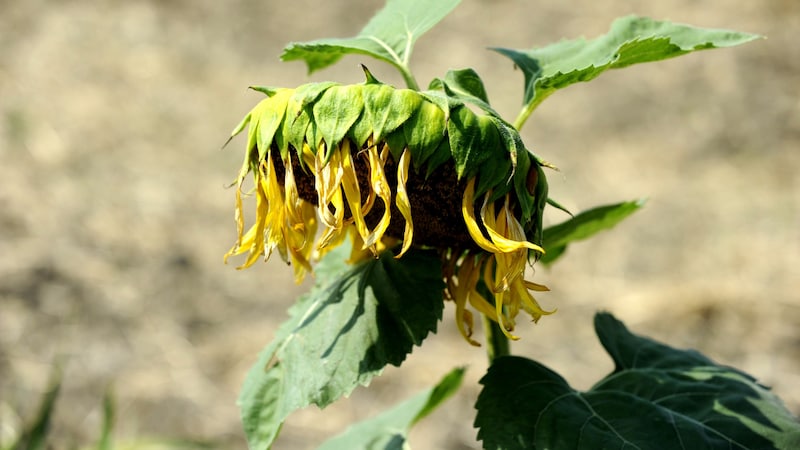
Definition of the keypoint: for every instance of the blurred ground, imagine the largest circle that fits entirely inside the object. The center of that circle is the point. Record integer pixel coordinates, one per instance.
(114, 213)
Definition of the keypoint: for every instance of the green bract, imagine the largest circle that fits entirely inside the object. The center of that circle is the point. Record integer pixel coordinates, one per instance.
(435, 126)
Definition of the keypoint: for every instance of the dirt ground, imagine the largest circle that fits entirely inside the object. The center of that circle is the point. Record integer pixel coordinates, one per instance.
(114, 213)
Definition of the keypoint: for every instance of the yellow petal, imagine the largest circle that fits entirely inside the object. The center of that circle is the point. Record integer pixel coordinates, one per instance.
(380, 185)
(402, 201)
(468, 211)
(352, 192)
(501, 242)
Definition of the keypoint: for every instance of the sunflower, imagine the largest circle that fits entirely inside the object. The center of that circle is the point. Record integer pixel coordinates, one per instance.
(392, 168)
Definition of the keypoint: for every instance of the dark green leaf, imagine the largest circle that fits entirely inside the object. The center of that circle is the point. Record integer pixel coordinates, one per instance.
(390, 429)
(389, 36)
(657, 398)
(341, 335)
(631, 40)
(584, 225)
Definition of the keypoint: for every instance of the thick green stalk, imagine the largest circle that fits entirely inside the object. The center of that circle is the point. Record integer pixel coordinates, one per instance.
(497, 344)
(411, 82)
(528, 109)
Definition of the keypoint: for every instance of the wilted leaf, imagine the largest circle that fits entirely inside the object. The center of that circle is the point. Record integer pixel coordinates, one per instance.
(341, 335)
(584, 225)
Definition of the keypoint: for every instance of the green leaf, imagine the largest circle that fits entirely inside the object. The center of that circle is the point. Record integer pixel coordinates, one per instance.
(109, 411)
(631, 40)
(656, 398)
(390, 429)
(36, 433)
(584, 225)
(341, 335)
(389, 36)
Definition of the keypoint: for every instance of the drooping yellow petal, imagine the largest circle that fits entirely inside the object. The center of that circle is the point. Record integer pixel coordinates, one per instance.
(254, 239)
(380, 185)
(464, 318)
(503, 243)
(506, 323)
(475, 298)
(528, 303)
(275, 211)
(530, 285)
(352, 192)
(334, 231)
(468, 211)
(402, 201)
(326, 183)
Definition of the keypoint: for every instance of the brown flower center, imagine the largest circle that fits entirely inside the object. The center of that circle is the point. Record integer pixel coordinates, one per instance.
(435, 200)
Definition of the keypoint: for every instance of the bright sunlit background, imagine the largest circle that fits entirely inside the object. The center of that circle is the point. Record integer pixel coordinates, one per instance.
(114, 211)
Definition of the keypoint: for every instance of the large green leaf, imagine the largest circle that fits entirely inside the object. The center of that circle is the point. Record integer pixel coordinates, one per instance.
(657, 397)
(389, 430)
(389, 36)
(582, 226)
(631, 40)
(341, 335)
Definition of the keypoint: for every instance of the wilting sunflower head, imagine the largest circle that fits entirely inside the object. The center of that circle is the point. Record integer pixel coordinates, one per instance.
(385, 165)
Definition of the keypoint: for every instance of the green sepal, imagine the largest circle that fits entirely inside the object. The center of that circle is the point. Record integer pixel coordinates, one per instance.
(308, 93)
(313, 137)
(423, 131)
(370, 78)
(252, 130)
(444, 102)
(533, 228)
(269, 119)
(335, 112)
(295, 132)
(239, 128)
(387, 108)
(269, 91)
(467, 82)
(559, 206)
(438, 157)
(493, 176)
(360, 131)
(397, 143)
(473, 138)
(466, 86)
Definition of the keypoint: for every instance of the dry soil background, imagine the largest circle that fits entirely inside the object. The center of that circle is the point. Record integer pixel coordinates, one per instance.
(114, 213)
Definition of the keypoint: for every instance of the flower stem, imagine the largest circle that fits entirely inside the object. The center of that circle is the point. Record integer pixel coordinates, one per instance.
(411, 82)
(528, 109)
(496, 341)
